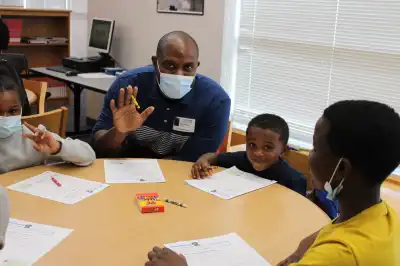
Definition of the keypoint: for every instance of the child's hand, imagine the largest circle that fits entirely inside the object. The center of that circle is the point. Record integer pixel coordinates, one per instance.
(165, 257)
(202, 168)
(42, 140)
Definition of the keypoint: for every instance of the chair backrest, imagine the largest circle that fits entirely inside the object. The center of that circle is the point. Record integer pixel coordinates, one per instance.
(226, 142)
(39, 89)
(299, 161)
(6, 69)
(55, 121)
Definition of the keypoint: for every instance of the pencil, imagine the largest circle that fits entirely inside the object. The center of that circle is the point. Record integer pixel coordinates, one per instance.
(135, 102)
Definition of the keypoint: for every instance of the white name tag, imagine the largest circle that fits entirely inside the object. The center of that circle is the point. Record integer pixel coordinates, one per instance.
(184, 124)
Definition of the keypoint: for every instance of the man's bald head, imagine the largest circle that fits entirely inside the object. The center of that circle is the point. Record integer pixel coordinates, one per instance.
(175, 37)
(177, 54)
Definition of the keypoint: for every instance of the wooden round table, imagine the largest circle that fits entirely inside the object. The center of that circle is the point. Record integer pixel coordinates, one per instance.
(110, 230)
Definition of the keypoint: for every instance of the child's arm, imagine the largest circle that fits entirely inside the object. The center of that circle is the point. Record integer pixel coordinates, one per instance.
(74, 151)
(69, 150)
(303, 247)
(202, 168)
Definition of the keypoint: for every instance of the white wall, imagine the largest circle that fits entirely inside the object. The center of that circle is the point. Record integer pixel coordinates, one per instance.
(139, 27)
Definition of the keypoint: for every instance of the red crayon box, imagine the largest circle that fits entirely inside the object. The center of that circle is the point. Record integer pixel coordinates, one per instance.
(149, 203)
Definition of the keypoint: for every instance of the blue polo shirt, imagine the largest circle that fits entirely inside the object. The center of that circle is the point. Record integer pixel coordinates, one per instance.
(281, 172)
(207, 104)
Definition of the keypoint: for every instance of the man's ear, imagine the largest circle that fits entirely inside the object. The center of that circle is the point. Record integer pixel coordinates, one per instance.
(198, 64)
(154, 60)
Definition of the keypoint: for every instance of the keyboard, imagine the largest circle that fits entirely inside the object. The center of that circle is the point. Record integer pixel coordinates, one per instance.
(61, 69)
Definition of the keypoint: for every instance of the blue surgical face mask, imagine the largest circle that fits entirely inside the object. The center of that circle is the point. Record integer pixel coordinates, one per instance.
(9, 125)
(332, 193)
(175, 86)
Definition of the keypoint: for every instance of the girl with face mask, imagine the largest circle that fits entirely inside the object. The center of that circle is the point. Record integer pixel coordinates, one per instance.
(23, 145)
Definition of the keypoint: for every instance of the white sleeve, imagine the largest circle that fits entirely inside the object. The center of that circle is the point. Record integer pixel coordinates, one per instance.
(75, 151)
(4, 215)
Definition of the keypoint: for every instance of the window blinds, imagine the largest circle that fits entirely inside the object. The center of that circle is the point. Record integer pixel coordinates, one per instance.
(53, 4)
(295, 58)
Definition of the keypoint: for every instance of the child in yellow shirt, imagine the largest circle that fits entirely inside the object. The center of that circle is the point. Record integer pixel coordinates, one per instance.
(356, 147)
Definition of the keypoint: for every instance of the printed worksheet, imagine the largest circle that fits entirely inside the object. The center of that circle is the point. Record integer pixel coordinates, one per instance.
(133, 171)
(227, 250)
(58, 187)
(27, 242)
(230, 183)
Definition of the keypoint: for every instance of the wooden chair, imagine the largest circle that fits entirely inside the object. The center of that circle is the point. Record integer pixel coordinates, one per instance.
(39, 89)
(55, 121)
(227, 139)
(299, 161)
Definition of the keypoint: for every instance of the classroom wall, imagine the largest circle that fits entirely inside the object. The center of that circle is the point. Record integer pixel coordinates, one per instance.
(139, 27)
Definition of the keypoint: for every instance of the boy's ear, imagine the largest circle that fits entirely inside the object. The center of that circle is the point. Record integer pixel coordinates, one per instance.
(285, 150)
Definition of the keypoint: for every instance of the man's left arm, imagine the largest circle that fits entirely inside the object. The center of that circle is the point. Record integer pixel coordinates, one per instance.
(209, 135)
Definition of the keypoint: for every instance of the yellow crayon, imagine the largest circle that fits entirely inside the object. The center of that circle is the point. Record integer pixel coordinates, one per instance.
(135, 102)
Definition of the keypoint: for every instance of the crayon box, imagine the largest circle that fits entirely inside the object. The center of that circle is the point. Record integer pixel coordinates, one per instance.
(149, 203)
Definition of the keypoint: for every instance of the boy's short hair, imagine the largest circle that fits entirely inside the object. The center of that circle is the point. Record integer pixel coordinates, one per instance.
(367, 134)
(271, 122)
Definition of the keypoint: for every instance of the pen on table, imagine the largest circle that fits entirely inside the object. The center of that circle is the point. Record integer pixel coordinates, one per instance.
(135, 102)
(175, 203)
(56, 181)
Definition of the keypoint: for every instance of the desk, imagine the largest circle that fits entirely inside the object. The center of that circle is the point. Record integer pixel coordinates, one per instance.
(77, 85)
(109, 230)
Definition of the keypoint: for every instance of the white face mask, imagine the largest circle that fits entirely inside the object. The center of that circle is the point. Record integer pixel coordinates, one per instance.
(9, 125)
(175, 86)
(332, 193)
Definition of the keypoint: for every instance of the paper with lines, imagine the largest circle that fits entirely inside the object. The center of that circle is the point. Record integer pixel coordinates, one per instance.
(70, 191)
(230, 183)
(227, 250)
(133, 171)
(27, 242)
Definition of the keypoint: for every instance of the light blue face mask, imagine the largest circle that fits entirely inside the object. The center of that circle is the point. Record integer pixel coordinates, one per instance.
(332, 193)
(9, 125)
(175, 86)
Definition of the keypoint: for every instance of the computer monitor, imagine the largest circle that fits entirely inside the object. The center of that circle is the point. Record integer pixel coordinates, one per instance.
(101, 35)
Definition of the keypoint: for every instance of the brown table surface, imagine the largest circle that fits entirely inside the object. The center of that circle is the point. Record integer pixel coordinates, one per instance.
(110, 230)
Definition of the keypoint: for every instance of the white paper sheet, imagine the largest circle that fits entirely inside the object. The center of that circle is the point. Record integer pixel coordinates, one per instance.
(227, 250)
(99, 75)
(72, 189)
(133, 171)
(27, 242)
(230, 183)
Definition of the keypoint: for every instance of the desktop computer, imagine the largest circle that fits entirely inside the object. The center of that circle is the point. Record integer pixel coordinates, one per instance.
(100, 40)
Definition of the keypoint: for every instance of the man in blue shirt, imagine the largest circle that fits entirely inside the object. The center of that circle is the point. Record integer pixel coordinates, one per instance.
(185, 114)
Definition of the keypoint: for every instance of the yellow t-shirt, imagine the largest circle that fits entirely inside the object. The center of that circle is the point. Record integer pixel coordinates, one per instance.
(371, 238)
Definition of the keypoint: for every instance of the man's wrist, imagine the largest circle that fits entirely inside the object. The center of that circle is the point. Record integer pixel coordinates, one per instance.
(119, 136)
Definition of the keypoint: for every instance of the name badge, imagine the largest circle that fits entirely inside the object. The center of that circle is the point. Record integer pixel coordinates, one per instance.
(184, 124)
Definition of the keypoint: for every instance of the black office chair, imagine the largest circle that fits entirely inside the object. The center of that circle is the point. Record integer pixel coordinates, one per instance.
(20, 64)
(18, 61)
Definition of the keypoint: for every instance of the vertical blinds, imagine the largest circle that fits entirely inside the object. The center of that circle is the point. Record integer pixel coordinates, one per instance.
(297, 57)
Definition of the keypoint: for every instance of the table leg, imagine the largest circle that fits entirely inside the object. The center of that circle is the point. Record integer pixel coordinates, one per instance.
(77, 90)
